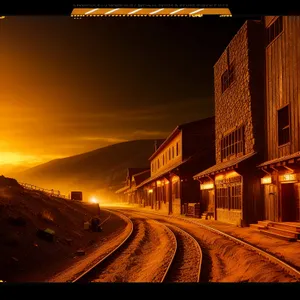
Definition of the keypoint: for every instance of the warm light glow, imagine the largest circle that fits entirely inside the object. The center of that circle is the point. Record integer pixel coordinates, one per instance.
(266, 180)
(94, 200)
(132, 12)
(231, 174)
(206, 186)
(158, 182)
(111, 11)
(17, 158)
(150, 191)
(193, 12)
(288, 177)
(219, 177)
(175, 178)
(154, 12)
(174, 12)
(91, 11)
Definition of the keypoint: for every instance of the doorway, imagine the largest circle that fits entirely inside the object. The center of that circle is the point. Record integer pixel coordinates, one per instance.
(288, 203)
(271, 203)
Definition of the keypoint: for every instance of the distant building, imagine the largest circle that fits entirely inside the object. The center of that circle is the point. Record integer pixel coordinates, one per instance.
(231, 188)
(281, 170)
(188, 149)
(124, 193)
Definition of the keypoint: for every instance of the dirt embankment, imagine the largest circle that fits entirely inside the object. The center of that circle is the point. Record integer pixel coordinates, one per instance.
(26, 257)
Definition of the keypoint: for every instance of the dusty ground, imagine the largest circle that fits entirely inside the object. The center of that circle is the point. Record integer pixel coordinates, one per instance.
(225, 261)
(145, 258)
(289, 251)
(26, 257)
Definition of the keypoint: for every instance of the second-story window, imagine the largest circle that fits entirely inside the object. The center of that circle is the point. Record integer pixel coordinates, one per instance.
(169, 153)
(177, 149)
(163, 159)
(173, 152)
(227, 78)
(232, 143)
(274, 30)
(158, 164)
(283, 126)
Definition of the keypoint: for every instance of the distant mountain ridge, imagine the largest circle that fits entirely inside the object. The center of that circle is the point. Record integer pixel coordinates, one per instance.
(99, 168)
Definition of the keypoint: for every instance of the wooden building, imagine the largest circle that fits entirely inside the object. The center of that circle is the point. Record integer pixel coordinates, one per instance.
(231, 188)
(138, 194)
(188, 149)
(125, 194)
(282, 100)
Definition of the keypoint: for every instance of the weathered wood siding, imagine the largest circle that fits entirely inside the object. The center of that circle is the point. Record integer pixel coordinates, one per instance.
(283, 84)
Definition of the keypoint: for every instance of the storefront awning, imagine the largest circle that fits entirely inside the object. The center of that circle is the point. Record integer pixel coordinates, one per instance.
(295, 156)
(164, 172)
(223, 166)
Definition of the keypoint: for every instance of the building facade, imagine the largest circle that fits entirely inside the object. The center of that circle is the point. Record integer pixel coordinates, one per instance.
(188, 149)
(231, 188)
(126, 193)
(281, 170)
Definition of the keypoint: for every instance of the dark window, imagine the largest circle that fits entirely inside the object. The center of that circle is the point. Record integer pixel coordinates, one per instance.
(233, 143)
(158, 164)
(169, 153)
(227, 78)
(283, 126)
(177, 149)
(176, 189)
(274, 30)
(236, 196)
(222, 197)
(173, 152)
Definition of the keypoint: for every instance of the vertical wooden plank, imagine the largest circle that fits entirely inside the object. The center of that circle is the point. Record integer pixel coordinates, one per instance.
(296, 43)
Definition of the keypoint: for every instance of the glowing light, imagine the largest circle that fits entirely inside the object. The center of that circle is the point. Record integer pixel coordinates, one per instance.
(174, 12)
(194, 12)
(158, 182)
(154, 12)
(132, 12)
(266, 180)
(111, 11)
(288, 177)
(150, 191)
(94, 200)
(91, 11)
(206, 186)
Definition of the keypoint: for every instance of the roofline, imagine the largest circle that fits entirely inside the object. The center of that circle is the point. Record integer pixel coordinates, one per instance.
(137, 174)
(167, 140)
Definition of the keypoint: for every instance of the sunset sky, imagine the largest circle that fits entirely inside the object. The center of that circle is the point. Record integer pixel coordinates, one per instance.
(69, 86)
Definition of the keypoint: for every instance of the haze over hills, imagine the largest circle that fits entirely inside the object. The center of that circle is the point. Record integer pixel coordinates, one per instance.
(98, 169)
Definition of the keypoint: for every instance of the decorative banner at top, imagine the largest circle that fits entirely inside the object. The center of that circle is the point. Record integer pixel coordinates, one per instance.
(149, 12)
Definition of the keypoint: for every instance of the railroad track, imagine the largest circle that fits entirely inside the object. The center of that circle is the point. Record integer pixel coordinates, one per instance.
(186, 260)
(93, 271)
(90, 271)
(287, 267)
(186, 265)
